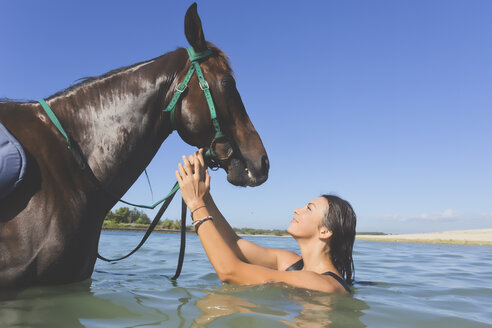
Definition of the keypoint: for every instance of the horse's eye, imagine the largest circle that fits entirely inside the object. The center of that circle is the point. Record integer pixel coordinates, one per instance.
(226, 83)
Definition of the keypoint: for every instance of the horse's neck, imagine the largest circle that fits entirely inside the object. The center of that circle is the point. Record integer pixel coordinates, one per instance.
(117, 120)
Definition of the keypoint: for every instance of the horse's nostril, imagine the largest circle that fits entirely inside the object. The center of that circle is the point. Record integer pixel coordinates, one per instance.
(265, 164)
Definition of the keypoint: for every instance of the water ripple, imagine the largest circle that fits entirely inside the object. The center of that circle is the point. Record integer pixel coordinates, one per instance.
(397, 285)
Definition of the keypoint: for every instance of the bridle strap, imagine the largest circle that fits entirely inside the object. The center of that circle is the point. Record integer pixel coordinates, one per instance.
(179, 90)
(194, 56)
(183, 241)
(195, 66)
(208, 96)
(54, 120)
(151, 227)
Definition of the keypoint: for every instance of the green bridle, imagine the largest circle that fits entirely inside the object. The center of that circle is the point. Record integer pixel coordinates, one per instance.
(171, 107)
(211, 156)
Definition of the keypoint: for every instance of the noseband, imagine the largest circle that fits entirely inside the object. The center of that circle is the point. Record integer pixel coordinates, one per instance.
(211, 155)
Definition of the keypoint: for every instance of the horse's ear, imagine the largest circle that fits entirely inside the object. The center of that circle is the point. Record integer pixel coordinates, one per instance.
(193, 29)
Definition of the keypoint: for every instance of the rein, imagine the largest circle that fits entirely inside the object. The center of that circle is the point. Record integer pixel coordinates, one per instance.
(211, 156)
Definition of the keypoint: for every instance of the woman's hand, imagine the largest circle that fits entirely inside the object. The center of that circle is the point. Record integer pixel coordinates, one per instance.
(194, 180)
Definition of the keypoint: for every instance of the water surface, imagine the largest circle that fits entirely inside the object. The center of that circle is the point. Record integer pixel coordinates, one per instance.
(399, 285)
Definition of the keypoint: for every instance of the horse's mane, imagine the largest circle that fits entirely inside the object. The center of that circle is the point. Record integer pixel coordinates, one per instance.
(10, 100)
(81, 82)
(87, 80)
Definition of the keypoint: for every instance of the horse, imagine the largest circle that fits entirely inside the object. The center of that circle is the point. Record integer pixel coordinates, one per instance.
(51, 223)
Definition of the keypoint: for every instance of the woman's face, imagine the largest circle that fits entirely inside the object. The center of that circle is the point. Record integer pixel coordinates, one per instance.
(307, 219)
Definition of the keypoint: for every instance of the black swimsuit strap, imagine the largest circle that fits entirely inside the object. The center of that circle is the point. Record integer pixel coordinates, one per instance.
(340, 280)
(296, 266)
(300, 264)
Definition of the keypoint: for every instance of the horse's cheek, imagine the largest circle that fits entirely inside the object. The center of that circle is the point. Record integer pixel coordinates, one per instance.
(192, 124)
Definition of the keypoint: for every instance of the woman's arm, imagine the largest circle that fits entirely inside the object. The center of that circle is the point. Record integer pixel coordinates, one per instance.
(231, 269)
(195, 184)
(245, 250)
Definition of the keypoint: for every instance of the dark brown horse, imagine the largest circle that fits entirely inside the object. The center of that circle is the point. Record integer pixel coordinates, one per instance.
(50, 225)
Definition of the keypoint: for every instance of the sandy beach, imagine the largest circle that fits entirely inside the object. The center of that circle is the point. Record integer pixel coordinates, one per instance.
(464, 237)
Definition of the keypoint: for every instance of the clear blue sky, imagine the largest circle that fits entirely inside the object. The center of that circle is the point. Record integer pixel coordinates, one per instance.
(384, 103)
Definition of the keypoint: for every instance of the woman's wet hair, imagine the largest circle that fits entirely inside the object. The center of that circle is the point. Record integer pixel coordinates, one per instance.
(340, 219)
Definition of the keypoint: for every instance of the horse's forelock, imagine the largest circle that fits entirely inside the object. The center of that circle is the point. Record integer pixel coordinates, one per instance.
(222, 60)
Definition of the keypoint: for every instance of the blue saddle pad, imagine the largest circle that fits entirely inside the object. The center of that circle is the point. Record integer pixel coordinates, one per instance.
(12, 162)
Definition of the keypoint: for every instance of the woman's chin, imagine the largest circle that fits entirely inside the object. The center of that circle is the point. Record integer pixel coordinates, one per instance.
(297, 232)
(291, 230)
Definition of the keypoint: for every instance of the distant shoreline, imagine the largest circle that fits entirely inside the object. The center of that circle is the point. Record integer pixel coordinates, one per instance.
(461, 237)
(157, 230)
(144, 230)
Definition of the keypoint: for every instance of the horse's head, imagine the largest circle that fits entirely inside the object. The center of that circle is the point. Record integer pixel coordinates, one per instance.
(236, 145)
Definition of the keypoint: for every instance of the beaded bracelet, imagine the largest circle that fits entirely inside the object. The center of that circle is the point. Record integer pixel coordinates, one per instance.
(198, 223)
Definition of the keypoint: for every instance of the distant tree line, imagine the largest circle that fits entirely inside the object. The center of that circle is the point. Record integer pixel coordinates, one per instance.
(172, 225)
(251, 231)
(124, 217)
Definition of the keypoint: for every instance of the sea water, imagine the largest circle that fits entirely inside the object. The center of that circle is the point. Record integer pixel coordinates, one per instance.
(397, 285)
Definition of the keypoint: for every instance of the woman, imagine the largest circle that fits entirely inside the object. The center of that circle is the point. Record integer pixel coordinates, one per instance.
(324, 229)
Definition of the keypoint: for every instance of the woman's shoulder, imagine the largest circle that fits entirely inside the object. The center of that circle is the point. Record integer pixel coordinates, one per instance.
(332, 278)
(340, 282)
